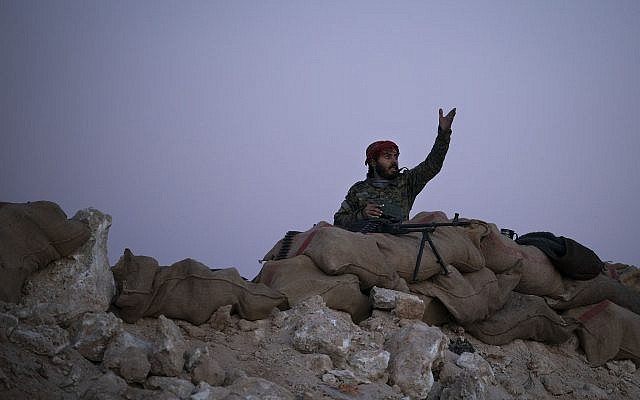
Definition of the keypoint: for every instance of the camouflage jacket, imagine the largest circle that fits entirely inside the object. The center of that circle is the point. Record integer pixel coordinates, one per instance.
(401, 191)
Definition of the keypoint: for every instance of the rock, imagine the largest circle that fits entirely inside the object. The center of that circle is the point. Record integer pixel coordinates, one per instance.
(233, 375)
(193, 356)
(180, 387)
(247, 326)
(369, 364)
(405, 305)
(435, 392)
(470, 381)
(449, 371)
(167, 354)
(383, 299)
(92, 333)
(347, 377)
(43, 314)
(258, 388)
(414, 349)
(322, 330)
(127, 355)
(553, 384)
(8, 323)
(621, 367)
(106, 386)
(207, 369)
(41, 339)
(477, 367)
(590, 391)
(465, 387)
(82, 282)
(204, 391)
(331, 380)
(221, 319)
(382, 322)
(318, 363)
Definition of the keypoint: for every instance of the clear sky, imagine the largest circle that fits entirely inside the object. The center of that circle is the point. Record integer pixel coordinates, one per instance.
(208, 129)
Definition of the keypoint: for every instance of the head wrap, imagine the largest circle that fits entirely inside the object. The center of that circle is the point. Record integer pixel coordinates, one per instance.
(376, 148)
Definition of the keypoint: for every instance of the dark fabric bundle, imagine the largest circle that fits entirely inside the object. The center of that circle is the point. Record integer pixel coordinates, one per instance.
(570, 258)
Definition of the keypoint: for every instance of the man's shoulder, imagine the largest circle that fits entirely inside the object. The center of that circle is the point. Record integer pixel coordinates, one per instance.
(359, 184)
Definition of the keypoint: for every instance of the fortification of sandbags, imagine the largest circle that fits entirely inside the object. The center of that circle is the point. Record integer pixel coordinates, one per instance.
(331, 314)
(499, 288)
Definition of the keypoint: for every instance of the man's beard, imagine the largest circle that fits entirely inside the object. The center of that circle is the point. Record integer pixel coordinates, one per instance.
(382, 172)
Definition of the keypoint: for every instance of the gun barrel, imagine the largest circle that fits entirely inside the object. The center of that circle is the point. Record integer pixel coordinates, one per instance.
(433, 225)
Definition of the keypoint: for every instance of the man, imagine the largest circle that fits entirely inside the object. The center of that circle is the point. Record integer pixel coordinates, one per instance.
(387, 192)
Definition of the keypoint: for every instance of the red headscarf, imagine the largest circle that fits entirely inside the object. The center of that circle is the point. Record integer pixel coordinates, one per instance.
(376, 148)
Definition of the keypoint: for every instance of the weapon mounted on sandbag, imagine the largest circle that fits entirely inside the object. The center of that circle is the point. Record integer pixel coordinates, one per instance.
(382, 225)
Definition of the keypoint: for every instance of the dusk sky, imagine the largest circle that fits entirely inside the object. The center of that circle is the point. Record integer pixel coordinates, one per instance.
(207, 129)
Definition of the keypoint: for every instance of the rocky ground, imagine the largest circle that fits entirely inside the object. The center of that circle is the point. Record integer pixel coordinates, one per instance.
(65, 341)
(308, 352)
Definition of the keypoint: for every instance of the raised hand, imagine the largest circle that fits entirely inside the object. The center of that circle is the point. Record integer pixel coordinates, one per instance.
(445, 121)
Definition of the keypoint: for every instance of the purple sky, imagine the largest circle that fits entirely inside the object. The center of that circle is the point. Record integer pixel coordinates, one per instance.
(208, 129)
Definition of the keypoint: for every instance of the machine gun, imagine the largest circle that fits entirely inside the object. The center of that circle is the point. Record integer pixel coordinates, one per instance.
(385, 226)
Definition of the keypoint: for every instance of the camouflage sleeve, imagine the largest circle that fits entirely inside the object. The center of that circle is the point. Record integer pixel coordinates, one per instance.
(426, 170)
(350, 211)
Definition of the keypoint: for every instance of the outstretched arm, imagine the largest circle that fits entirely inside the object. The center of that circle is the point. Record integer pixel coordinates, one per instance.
(426, 170)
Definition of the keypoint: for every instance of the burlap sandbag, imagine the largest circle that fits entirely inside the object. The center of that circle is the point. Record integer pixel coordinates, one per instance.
(607, 331)
(337, 251)
(468, 297)
(435, 313)
(539, 277)
(628, 275)
(582, 293)
(298, 278)
(522, 317)
(500, 253)
(31, 236)
(190, 291)
(134, 277)
(298, 243)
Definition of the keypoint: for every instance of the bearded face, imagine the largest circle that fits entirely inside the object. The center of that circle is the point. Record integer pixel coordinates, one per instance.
(386, 165)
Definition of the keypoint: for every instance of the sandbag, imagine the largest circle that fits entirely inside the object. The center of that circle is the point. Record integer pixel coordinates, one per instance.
(32, 235)
(522, 317)
(293, 243)
(607, 331)
(435, 313)
(298, 278)
(337, 251)
(189, 290)
(539, 277)
(468, 297)
(134, 277)
(628, 275)
(582, 293)
(377, 258)
(500, 253)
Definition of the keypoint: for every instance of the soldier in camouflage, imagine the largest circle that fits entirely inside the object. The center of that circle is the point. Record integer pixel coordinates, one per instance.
(387, 192)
